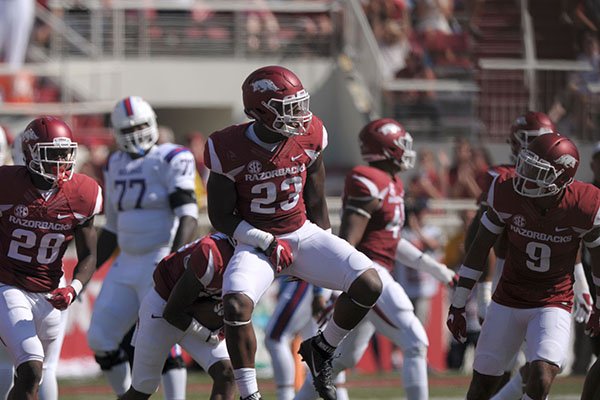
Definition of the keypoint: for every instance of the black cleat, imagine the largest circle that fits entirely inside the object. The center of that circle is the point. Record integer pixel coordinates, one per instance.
(318, 358)
(253, 396)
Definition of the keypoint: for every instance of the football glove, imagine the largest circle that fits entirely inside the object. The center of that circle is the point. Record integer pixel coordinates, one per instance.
(61, 298)
(280, 254)
(457, 323)
(582, 308)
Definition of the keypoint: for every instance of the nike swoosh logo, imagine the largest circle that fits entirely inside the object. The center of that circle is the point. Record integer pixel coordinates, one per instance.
(61, 216)
(155, 316)
(560, 229)
(294, 158)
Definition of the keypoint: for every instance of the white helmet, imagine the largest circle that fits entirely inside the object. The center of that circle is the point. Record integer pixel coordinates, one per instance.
(134, 125)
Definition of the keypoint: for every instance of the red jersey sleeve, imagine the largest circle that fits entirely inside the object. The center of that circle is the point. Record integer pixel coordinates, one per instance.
(361, 186)
(85, 197)
(206, 262)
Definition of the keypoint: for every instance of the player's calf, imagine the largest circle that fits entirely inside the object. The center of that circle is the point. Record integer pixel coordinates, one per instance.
(482, 386)
(27, 381)
(541, 376)
(223, 381)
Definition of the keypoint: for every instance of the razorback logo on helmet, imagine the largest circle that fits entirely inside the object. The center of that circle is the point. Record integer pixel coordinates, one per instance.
(29, 134)
(566, 160)
(389, 129)
(264, 85)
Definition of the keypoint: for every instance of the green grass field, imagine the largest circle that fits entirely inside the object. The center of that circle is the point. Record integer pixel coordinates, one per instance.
(363, 387)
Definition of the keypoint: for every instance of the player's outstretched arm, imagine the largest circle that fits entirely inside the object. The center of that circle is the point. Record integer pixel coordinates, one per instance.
(412, 257)
(314, 194)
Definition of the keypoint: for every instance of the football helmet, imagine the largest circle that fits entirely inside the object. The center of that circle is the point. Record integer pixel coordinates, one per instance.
(49, 149)
(546, 166)
(134, 125)
(526, 128)
(386, 139)
(275, 97)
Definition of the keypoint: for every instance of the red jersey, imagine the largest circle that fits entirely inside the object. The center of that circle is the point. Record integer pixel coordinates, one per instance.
(382, 234)
(208, 257)
(35, 232)
(542, 248)
(268, 185)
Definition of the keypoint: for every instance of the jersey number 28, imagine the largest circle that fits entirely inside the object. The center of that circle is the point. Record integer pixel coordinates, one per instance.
(48, 246)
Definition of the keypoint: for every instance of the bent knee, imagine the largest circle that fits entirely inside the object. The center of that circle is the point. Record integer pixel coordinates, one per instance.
(237, 307)
(367, 287)
(222, 373)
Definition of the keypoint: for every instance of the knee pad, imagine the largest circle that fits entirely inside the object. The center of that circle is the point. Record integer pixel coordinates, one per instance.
(173, 362)
(108, 359)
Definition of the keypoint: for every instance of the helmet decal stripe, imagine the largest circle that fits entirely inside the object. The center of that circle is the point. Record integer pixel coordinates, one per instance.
(128, 106)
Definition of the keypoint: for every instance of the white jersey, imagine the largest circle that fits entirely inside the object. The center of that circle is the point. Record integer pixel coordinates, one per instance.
(137, 196)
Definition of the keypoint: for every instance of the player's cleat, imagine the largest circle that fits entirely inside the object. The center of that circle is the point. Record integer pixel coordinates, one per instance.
(253, 396)
(318, 354)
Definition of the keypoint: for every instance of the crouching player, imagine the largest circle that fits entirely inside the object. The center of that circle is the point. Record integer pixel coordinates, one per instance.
(187, 282)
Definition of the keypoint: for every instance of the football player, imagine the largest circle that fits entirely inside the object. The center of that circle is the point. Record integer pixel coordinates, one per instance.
(546, 214)
(150, 211)
(373, 216)
(46, 206)
(48, 389)
(266, 190)
(524, 129)
(192, 274)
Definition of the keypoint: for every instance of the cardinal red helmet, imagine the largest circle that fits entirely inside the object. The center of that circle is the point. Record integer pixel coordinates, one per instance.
(526, 128)
(49, 149)
(275, 97)
(546, 166)
(386, 139)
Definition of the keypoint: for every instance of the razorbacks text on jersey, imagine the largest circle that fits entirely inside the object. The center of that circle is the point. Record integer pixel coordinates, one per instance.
(542, 247)
(35, 230)
(208, 257)
(137, 195)
(382, 234)
(269, 185)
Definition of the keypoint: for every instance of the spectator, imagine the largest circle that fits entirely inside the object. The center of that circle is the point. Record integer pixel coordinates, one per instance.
(431, 181)
(16, 22)
(435, 30)
(418, 103)
(395, 48)
(262, 28)
(462, 176)
(583, 87)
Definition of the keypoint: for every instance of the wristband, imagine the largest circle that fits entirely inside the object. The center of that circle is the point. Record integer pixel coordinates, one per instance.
(461, 294)
(77, 286)
(252, 236)
(469, 273)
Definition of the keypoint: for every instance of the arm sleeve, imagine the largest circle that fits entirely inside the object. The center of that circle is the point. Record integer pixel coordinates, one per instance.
(181, 171)
(206, 262)
(361, 188)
